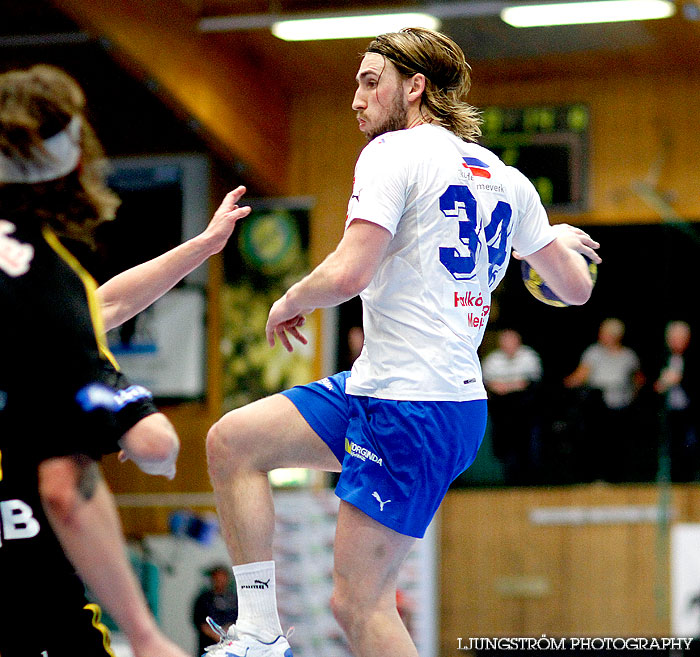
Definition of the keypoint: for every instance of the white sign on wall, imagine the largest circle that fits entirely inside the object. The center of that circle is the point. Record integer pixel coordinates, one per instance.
(164, 350)
(685, 580)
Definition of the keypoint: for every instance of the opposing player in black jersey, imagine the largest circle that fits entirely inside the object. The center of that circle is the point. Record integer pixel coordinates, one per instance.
(63, 402)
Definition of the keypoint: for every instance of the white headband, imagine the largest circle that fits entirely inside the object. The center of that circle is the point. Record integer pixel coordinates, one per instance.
(61, 156)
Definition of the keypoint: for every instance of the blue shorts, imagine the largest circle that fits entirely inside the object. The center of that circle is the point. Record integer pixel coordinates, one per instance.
(398, 457)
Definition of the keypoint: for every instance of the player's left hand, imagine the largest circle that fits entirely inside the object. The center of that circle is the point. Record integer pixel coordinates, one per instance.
(577, 240)
(284, 322)
(224, 220)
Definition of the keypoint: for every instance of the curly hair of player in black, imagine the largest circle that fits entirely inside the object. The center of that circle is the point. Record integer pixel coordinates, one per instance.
(36, 104)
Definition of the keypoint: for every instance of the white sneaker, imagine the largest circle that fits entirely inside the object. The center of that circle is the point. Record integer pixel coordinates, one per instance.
(236, 644)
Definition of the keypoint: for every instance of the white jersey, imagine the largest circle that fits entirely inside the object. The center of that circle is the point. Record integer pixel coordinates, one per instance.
(454, 211)
(612, 371)
(524, 364)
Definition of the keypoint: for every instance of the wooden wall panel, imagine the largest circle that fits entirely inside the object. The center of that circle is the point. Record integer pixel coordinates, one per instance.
(325, 144)
(502, 575)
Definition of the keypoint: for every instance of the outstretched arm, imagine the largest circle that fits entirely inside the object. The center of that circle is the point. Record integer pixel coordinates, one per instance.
(83, 515)
(130, 292)
(562, 266)
(341, 276)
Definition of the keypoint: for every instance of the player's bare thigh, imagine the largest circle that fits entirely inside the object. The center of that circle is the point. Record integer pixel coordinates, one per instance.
(267, 434)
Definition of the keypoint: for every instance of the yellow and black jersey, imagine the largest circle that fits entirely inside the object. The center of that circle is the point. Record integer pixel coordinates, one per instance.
(46, 611)
(60, 393)
(59, 385)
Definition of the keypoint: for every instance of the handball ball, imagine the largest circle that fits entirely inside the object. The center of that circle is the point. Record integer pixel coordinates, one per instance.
(541, 291)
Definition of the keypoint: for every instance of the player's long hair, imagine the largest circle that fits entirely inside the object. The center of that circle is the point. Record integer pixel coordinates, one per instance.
(419, 50)
(36, 104)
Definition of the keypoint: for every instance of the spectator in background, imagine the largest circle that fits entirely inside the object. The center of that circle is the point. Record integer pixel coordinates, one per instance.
(219, 602)
(675, 384)
(511, 374)
(612, 372)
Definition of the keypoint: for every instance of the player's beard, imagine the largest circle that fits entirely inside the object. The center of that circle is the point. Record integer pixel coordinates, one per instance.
(395, 119)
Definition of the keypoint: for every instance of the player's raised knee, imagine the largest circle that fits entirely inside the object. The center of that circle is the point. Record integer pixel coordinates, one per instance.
(215, 447)
(226, 449)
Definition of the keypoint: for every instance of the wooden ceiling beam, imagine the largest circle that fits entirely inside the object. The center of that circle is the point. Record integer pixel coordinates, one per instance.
(235, 102)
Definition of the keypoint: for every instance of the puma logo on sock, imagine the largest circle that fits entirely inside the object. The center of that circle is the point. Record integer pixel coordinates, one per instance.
(257, 584)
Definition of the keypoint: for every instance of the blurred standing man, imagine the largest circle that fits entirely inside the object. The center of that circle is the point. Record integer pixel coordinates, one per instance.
(218, 602)
(678, 387)
(511, 375)
(428, 236)
(613, 372)
(610, 367)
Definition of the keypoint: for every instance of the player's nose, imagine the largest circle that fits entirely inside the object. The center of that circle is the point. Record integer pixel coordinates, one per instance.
(359, 102)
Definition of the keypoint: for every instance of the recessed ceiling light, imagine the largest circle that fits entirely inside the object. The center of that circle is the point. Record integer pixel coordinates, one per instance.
(595, 11)
(348, 27)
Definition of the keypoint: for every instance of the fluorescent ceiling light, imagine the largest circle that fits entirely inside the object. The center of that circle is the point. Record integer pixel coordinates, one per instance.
(348, 27)
(595, 11)
(440, 10)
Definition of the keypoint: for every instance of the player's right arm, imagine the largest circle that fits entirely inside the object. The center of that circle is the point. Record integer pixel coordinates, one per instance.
(375, 207)
(341, 276)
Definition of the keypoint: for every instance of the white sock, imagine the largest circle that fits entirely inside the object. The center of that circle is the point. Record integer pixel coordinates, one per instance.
(257, 600)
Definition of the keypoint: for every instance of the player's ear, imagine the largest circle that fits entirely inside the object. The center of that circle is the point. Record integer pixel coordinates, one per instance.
(415, 86)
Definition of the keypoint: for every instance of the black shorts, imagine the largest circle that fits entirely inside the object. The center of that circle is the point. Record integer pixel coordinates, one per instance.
(60, 630)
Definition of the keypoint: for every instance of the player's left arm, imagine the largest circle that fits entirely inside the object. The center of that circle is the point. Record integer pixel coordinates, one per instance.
(130, 292)
(82, 512)
(152, 444)
(341, 276)
(562, 265)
